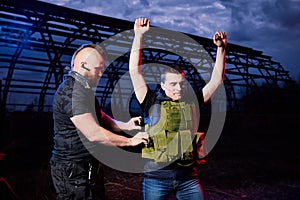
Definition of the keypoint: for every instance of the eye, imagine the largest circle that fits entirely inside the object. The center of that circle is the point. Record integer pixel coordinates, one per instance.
(182, 84)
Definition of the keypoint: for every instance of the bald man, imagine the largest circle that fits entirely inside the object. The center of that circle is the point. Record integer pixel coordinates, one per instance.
(80, 125)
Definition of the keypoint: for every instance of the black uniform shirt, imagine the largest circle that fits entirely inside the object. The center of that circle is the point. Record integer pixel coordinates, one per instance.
(73, 97)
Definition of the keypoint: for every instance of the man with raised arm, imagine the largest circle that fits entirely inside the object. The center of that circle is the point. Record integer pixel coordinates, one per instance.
(172, 127)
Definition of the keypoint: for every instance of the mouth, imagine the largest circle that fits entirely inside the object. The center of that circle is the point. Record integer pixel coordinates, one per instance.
(177, 94)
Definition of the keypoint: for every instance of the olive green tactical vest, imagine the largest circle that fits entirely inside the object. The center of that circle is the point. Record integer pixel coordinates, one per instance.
(172, 135)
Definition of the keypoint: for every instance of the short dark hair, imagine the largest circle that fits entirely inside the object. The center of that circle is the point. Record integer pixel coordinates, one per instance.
(173, 69)
(100, 49)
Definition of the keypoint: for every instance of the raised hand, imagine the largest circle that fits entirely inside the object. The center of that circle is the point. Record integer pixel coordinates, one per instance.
(141, 25)
(220, 39)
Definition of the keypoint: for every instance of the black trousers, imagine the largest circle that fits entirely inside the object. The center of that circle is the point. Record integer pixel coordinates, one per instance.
(77, 181)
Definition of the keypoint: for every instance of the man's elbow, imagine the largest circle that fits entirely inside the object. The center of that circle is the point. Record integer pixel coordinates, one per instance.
(97, 137)
(210, 90)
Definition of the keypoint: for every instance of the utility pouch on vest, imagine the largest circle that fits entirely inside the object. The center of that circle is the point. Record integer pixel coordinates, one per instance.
(148, 152)
(186, 146)
(186, 110)
(160, 146)
(172, 147)
(173, 115)
(186, 141)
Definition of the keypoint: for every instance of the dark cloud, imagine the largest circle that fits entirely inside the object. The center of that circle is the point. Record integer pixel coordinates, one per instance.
(145, 2)
(283, 13)
(271, 26)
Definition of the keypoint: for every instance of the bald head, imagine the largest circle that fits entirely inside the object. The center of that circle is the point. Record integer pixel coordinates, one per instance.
(96, 47)
(84, 57)
(89, 62)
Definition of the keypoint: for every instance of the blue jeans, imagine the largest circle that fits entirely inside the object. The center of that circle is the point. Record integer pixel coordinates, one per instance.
(159, 189)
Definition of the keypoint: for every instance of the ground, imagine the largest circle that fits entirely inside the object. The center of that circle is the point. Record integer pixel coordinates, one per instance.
(226, 175)
(252, 161)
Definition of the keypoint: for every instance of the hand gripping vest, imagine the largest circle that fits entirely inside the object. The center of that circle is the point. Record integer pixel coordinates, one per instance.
(173, 134)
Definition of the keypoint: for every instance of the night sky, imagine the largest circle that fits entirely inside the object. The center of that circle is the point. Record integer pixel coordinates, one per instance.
(271, 26)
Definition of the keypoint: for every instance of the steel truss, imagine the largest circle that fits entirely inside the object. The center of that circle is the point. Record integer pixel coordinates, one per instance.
(37, 41)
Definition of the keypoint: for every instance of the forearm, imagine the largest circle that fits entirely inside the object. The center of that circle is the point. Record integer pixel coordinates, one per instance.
(135, 59)
(135, 68)
(220, 65)
(217, 75)
(95, 133)
(110, 139)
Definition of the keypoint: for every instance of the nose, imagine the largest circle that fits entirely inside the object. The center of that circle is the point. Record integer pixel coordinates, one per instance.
(178, 87)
